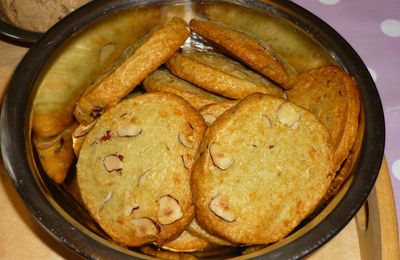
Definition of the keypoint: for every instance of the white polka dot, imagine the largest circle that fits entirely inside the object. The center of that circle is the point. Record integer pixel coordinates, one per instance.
(396, 169)
(391, 27)
(373, 74)
(329, 2)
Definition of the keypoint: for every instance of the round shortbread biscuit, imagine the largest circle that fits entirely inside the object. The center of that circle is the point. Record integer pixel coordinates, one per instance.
(134, 168)
(332, 95)
(163, 80)
(219, 74)
(261, 168)
(145, 57)
(250, 51)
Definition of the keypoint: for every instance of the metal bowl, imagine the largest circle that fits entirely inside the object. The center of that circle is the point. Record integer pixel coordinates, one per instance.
(58, 212)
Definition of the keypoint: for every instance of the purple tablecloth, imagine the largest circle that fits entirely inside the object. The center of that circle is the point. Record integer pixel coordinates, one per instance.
(372, 28)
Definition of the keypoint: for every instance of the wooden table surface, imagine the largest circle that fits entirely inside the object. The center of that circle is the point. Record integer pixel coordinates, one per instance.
(23, 238)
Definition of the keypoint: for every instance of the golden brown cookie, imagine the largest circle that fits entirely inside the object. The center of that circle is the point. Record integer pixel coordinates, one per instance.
(211, 112)
(251, 52)
(195, 229)
(332, 95)
(295, 46)
(219, 74)
(80, 62)
(142, 60)
(56, 153)
(163, 80)
(134, 168)
(348, 165)
(186, 242)
(262, 167)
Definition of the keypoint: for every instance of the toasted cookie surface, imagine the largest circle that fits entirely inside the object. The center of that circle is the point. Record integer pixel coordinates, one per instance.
(247, 49)
(134, 168)
(219, 74)
(186, 242)
(262, 167)
(332, 95)
(156, 49)
(348, 165)
(212, 111)
(163, 80)
(295, 46)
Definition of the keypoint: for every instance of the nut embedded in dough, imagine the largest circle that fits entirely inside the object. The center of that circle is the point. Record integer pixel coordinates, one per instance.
(113, 162)
(169, 210)
(221, 208)
(219, 158)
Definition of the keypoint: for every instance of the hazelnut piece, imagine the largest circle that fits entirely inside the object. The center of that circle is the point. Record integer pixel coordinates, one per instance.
(267, 121)
(288, 115)
(221, 208)
(169, 210)
(187, 161)
(186, 141)
(131, 208)
(82, 130)
(108, 197)
(129, 130)
(219, 158)
(142, 178)
(113, 162)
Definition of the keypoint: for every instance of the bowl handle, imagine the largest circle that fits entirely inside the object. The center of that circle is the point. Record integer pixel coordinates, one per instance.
(18, 36)
(377, 221)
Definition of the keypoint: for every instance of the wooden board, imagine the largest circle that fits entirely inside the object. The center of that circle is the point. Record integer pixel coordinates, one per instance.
(23, 238)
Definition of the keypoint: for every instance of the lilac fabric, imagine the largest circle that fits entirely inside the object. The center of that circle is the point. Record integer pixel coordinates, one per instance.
(373, 29)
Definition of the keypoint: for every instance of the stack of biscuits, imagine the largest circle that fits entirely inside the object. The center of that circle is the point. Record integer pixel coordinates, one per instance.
(225, 146)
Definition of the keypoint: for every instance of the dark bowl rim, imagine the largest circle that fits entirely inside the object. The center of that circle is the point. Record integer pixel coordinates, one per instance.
(16, 35)
(15, 133)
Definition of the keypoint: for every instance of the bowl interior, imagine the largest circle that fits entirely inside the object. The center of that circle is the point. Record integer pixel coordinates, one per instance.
(91, 39)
